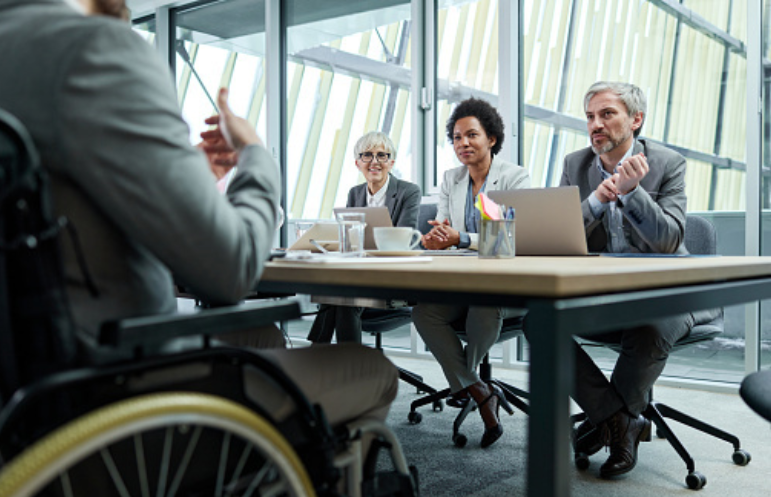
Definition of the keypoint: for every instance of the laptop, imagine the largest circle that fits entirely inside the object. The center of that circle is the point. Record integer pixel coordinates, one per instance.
(548, 220)
(324, 233)
(374, 217)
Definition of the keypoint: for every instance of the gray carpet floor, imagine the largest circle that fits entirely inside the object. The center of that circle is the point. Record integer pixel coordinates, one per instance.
(500, 470)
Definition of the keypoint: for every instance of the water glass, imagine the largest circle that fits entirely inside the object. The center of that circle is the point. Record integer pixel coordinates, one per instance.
(351, 226)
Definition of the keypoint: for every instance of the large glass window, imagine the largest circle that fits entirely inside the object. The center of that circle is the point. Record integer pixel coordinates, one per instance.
(348, 74)
(145, 27)
(349, 71)
(694, 75)
(765, 194)
(467, 64)
(220, 44)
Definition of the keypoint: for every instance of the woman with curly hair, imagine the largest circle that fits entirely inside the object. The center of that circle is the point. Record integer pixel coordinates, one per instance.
(476, 131)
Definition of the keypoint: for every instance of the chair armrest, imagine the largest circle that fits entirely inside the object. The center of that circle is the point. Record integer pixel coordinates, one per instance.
(148, 330)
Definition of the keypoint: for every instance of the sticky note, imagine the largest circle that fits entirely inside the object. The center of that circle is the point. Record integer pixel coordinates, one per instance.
(489, 209)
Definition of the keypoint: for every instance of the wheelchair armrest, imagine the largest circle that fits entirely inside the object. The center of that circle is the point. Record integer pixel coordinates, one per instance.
(148, 330)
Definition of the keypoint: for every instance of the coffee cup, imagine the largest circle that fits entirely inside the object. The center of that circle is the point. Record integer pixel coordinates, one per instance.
(396, 239)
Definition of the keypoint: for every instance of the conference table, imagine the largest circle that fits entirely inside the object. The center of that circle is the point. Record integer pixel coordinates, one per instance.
(563, 295)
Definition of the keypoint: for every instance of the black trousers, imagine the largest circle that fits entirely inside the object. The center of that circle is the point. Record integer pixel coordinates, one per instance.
(346, 320)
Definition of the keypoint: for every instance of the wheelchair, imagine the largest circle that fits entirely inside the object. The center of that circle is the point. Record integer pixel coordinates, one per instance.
(146, 422)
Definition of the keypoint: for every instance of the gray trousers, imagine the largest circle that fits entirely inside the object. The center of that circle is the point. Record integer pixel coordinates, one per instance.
(483, 327)
(644, 353)
(349, 381)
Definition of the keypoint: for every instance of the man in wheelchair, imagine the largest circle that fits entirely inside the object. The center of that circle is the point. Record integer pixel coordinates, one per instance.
(91, 237)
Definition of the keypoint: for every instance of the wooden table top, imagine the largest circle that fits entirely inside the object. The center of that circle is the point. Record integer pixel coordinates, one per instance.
(550, 277)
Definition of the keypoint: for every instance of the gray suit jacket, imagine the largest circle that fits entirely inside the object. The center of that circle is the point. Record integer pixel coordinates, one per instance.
(402, 200)
(452, 196)
(654, 218)
(102, 109)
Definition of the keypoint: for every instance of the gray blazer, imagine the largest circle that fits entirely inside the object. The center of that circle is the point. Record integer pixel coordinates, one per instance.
(402, 200)
(654, 218)
(102, 109)
(452, 196)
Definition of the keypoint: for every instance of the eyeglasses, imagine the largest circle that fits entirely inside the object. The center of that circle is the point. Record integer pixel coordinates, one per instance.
(380, 157)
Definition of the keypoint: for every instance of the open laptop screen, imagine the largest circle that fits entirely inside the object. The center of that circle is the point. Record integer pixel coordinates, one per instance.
(375, 217)
(548, 220)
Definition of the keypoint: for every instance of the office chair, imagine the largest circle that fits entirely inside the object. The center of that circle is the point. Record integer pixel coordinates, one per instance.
(140, 420)
(379, 321)
(756, 392)
(700, 239)
(511, 328)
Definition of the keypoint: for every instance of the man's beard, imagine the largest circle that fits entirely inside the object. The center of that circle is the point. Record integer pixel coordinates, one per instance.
(610, 145)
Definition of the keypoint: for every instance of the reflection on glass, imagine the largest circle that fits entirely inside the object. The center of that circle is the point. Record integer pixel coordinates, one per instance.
(765, 307)
(467, 61)
(220, 44)
(145, 28)
(694, 75)
(347, 75)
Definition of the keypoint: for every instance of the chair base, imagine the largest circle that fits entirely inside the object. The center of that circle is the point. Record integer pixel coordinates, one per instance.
(657, 412)
(513, 394)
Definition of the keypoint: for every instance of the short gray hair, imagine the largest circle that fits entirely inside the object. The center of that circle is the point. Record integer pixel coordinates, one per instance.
(372, 140)
(632, 96)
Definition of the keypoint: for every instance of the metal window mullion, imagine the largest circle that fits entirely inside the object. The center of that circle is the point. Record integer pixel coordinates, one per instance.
(165, 36)
(754, 177)
(510, 60)
(275, 88)
(424, 93)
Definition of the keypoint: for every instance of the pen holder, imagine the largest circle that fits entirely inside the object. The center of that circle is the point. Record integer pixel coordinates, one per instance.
(496, 239)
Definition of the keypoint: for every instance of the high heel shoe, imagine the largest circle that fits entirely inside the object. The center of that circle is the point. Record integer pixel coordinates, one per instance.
(488, 410)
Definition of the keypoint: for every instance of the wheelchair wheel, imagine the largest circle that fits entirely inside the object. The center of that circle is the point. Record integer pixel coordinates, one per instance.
(160, 444)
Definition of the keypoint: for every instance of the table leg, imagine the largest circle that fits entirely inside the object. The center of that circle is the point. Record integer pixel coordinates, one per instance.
(551, 376)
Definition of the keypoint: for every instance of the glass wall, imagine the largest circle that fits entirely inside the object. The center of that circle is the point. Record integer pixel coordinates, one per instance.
(694, 75)
(765, 192)
(467, 64)
(145, 27)
(220, 44)
(348, 73)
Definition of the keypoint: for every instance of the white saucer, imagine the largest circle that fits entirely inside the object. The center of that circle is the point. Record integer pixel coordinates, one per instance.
(394, 253)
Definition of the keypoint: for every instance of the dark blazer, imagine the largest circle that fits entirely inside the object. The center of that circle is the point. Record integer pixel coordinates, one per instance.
(654, 218)
(402, 200)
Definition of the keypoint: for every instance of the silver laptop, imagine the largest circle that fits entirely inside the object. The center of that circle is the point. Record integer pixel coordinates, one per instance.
(548, 220)
(323, 233)
(375, 217)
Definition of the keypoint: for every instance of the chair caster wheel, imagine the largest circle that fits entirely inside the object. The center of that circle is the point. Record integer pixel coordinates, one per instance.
(741, 457)
(460, 440)
(414, 417)
(695, 480)
(438, 405)
(581, 461)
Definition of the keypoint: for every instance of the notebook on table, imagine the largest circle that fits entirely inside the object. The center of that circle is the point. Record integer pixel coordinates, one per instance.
(374, 217)
(548, 220)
